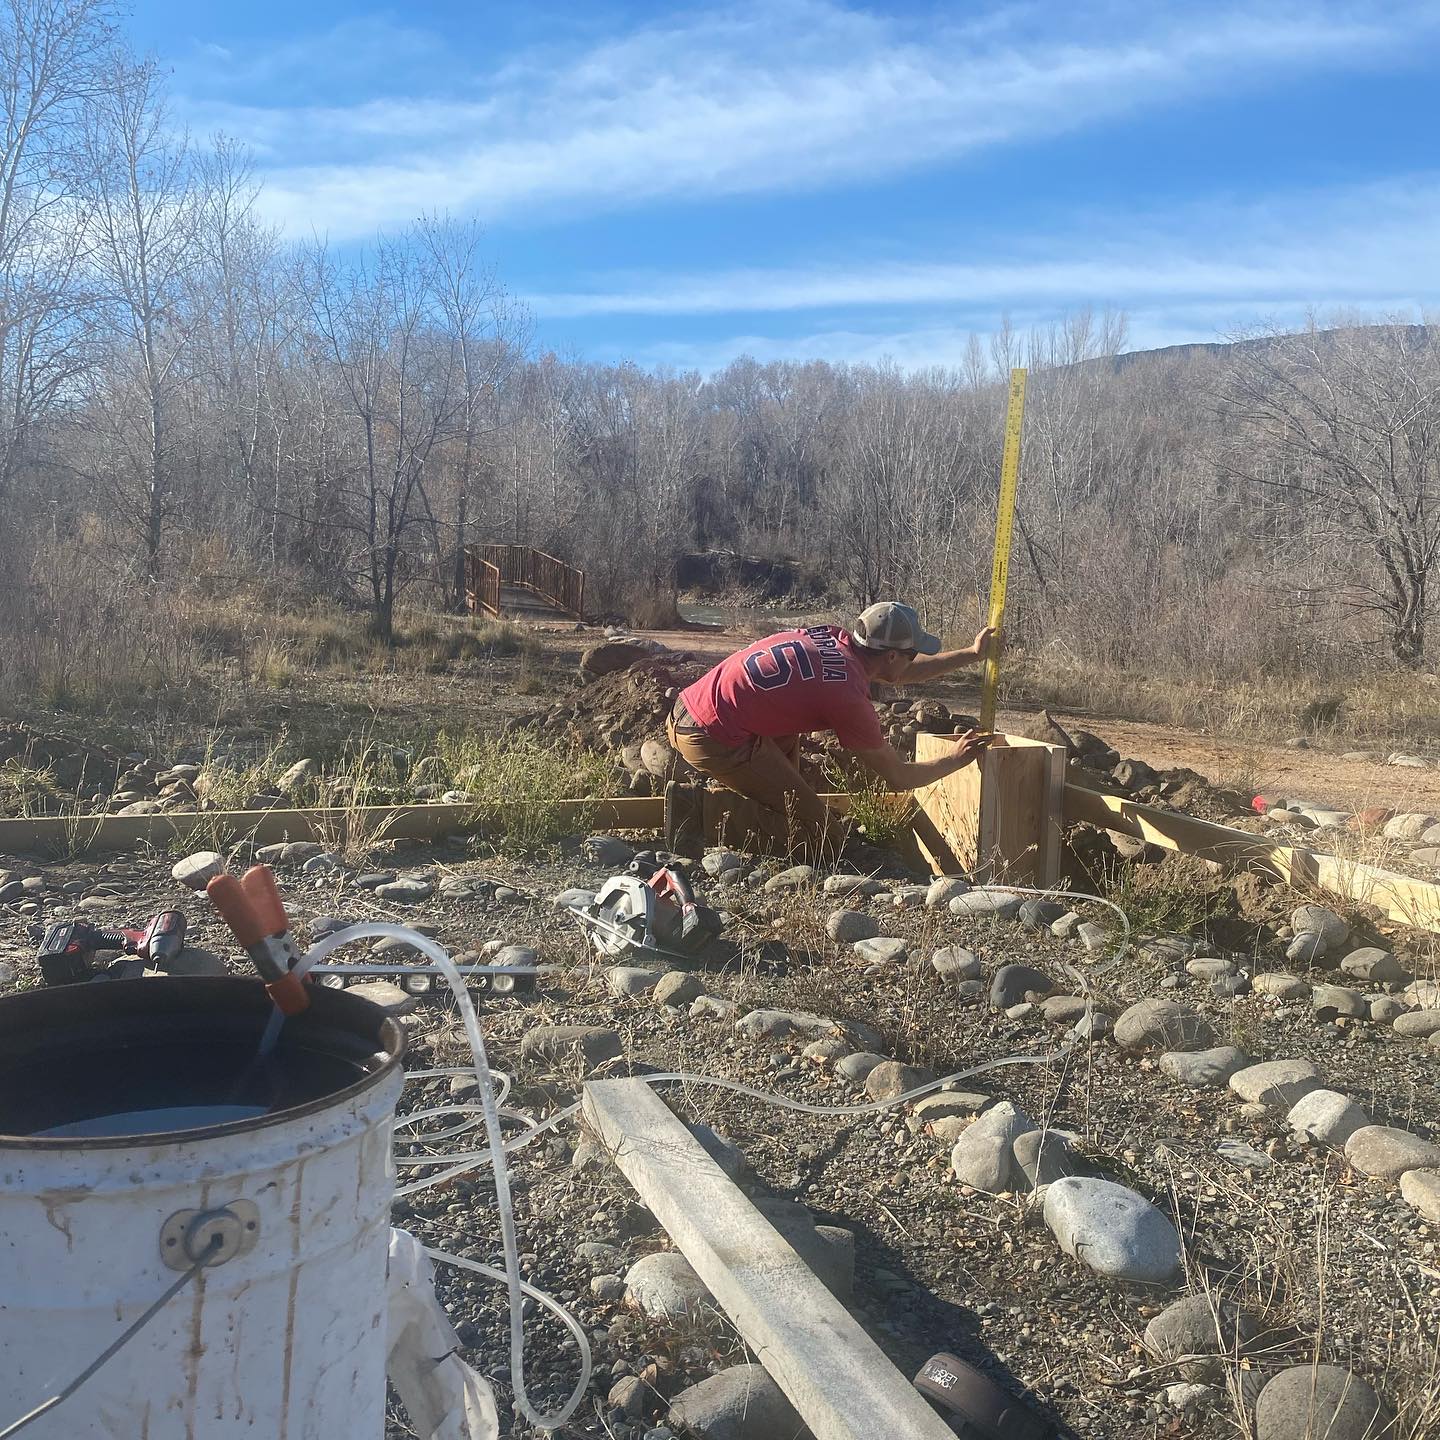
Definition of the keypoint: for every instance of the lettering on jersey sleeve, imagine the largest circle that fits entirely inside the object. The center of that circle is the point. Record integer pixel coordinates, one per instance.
(785, 660)
(832, 658)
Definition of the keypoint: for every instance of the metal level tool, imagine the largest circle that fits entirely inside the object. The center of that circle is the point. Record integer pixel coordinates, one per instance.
(1004, 530)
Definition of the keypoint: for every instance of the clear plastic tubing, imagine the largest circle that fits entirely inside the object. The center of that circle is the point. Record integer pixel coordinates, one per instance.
(501, 1178)
(497, 1148)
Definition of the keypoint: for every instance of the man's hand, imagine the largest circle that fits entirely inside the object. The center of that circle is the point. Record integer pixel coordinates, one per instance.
(981, 648)
(970, 746)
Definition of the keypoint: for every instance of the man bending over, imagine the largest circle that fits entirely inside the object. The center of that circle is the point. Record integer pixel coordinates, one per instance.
(741, 722)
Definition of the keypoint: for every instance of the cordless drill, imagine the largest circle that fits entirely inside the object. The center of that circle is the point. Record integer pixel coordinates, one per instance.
(68, 951)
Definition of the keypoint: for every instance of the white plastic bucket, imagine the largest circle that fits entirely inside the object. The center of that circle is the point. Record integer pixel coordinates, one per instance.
(283, 1340)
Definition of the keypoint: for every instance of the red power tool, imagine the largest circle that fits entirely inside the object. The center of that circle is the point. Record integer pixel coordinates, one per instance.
(68, 950)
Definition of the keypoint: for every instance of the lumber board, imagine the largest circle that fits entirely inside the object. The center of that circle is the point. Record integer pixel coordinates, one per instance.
(1001, 815)
(69, 833)
(837, 1378)
(1403, 898)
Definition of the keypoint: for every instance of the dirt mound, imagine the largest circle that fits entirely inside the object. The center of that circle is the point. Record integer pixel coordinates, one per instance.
(39, 768)
(626, 707)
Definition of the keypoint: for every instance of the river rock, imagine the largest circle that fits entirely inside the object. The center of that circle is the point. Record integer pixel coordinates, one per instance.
(1407, 828)
(716, 863)
(954, 963)
(1113, 1230)
(1327, 1116)
(677, 987)
(984, 1156)
(741, 1403)
(1308, 1402)
(1420, 1189)
(1386, 1152)
(630, 981)
(883, 950)
(1204, 1069)
(1160, 1024)
(389, 997)
(1424, 993)
(1275, 1082)
(1200, 1331)
(664, 1286)
(1417, 1023)
(856, 1066)
(197, 870)
(992, 903)
(942, 891)
(1064, 1009)
(1375, 967)
(407, 889)
(563, 1045)
(1282, 985)
(1329, 1001)
(1012, 983)
(607, 852)
(890, 1080)
(1037, 913)
(1322, 921)
(797, 877)
(1044, 1156)
(843, 885)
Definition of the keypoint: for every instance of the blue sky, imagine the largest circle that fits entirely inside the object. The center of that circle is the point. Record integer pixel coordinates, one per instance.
(810, 178)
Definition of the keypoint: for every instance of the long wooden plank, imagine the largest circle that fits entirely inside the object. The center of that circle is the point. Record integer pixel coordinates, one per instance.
(1401, 897)
(841, 1383)
(267, 827)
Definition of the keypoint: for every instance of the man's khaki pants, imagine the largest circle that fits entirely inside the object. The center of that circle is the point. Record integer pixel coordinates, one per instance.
(788, 814)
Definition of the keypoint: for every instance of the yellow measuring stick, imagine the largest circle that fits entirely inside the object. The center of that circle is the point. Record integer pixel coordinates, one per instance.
(1004, 528)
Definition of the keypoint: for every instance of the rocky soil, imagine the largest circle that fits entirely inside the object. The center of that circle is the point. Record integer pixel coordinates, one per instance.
(1236, 1119)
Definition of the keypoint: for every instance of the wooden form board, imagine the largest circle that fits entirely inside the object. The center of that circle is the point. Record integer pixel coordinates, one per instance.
(1409, 901)
(837, 1378)
(1001, 817)
(328, 825)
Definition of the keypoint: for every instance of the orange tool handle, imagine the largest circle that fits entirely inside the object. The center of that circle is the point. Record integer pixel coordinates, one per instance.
(291, 995)
(263, 893)
(235, 907)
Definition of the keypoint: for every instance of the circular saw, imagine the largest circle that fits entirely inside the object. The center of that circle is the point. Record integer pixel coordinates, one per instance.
(655, 913)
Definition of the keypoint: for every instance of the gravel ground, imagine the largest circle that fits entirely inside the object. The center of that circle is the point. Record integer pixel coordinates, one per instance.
(1324, 1258)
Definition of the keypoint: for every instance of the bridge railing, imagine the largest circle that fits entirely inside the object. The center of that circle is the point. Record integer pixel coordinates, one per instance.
(550, 578)
(482, 583)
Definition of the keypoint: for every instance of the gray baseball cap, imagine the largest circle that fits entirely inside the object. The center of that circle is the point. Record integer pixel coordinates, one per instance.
(892, 626)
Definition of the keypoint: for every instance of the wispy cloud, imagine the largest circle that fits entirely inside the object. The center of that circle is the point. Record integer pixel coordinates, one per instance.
(780, 95)
(1370, 249)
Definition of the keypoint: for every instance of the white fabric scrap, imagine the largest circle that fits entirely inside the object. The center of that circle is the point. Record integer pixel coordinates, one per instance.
(444, 1398)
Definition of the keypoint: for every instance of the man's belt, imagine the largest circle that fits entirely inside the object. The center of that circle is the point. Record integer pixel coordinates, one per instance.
(684, 720)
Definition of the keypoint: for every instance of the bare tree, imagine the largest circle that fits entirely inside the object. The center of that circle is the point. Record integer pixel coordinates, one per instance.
(54, 57)
(372, 322)
(1340, 431)
(142, 215)
(485, 333)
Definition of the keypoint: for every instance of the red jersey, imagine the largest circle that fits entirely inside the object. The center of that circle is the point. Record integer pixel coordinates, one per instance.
(792, 683)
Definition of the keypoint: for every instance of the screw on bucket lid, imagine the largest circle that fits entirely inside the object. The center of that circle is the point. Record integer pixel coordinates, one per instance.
(988, 1412)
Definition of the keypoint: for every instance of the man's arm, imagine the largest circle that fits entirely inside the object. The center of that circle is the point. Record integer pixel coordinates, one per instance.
(899, 774)
(931, 667)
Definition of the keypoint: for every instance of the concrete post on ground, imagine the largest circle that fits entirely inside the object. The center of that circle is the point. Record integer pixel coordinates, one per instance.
(839, 1381)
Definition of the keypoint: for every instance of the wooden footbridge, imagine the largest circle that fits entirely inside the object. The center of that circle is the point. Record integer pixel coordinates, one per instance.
(520, 580)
